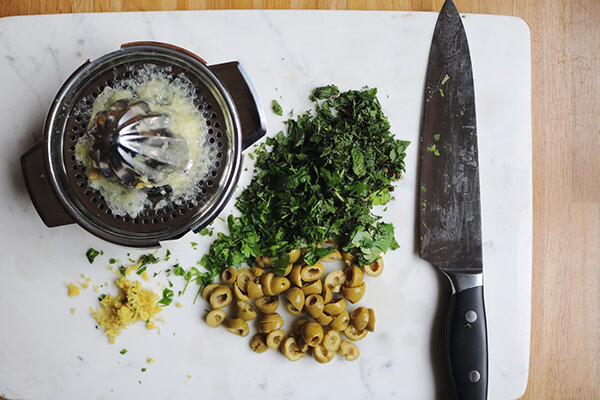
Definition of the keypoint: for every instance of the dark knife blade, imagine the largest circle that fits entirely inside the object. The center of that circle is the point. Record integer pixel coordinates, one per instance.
(449, 200)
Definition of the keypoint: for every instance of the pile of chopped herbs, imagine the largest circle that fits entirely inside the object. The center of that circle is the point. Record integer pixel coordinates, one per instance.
(314, 184)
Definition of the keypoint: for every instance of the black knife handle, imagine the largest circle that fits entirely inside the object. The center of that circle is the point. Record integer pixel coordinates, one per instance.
(466, 344)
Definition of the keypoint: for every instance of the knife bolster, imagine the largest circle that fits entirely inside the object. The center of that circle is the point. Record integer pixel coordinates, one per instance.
(461, 281)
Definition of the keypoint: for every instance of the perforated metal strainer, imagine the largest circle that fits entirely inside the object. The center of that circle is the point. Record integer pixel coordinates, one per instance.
(58, 183)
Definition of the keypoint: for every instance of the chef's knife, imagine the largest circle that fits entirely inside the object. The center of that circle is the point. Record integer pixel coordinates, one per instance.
(449, 204)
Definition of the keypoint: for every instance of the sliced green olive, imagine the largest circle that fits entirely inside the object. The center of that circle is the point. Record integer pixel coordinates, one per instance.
(270, 322)
(298, 324)
(244, 276)
(311, 273)
(348, 350)
(290, 349)
(263, 261)
(255, 290)
(296, 297)
(302, 345)
(289, 307)
(340, 322)
(335, 255)
(371, 323)
(258, 271)
(274, 338)
(288, 269)
(267, 304)
(314, 305)
(312, 333)
(279, 284)
(228, 275)
(335, 308)
(315, 287)
(322, 355)
(331, 340)
(374, 269)
(245, 310)
(354, 276)
(239, 293)
(359, 318)
(294, 255)
(354, 334)
(327, 294)
(354, 294)
(334, 280)
(265, 281)
(220, 297)
(208, 290)
(215, 318)
(237, 326)
(324, 319)
(257, 343)
(294, 275)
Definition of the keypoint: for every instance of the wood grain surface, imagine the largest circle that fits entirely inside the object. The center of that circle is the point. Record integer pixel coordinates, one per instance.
(565, 343)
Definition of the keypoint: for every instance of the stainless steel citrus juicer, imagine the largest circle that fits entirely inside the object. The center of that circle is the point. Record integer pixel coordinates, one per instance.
(58, 183)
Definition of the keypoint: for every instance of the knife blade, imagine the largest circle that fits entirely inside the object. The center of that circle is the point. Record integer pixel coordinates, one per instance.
(449, 200)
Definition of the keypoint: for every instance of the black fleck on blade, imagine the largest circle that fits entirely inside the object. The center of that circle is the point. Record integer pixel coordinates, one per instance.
(450, 210)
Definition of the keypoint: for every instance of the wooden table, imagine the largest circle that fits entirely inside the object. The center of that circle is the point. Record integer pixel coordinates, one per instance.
(565, 345)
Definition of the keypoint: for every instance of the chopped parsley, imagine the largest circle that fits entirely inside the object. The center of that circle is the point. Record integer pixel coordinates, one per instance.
(206, 231)
(112, 261)
(141, 270)
(445, 79)
(441, 92)
(433, 149)
(122, 270)
(91, 254)
(436, 137)
(167, 297)
(277, 108)
(148, 259)
(316, 182)
(168, 255)
(123, 351)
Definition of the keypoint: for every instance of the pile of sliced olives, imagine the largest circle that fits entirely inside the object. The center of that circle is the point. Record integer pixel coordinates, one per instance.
(318, 300)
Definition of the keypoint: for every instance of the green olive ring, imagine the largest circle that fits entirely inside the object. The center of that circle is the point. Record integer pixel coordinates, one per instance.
(263, 261)
(274, 338)
(371, 324)
(257, 271)
(310, 273)
(296, 297)
(314, 305)
(354, 276)
(244, 276)
(327, 294)
(215, 318)
(220, 297)
(208, 290)
(324, 319)
(354, 294)
(290, 308)
(312, 333)
(294, 255)
(228, 276)
(374, 269)
(298, 324)
(354, 334)
(255, 290)
(340, 322)
(257, 344)
(348, 350)
(267, 304)
(290, 349)
(315, 287)
(294, 275)
(331, 340)
(270, 322)
(265, 281)
(335, 255)
(335, 308)
(334, 280)
(237, 326)
(359, 318)
(240, 294)
(244, 310)
(279, 284)
(322, 355)
(302, 345)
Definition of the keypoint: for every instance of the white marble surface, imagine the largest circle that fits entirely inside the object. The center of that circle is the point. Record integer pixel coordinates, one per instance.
(47, 353)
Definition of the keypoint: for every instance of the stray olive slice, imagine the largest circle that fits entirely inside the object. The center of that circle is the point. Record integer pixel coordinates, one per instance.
(267, 304)
(294, 275)
(324, 319)
(244, 276)
(279, 285)
(294, 255)
(215, 318)
(245, 310)
(335, 255)
(340, 322)
(327, 294)
(296, 297)
(312, 333)
(331, 340)
(220, 296)
(374, 269)
(274, 338)
(353, 294)
(348, 350)
(270, 322)
(335, 308)
(208, 290)
(237, 326)
(255, 290)
(315, 287)
(239, 293)
(322, 354)
(228, 275)
(314, 305)
(334, 280)
(311, 273)
(354, 334)
(257, 343)
(359, 318)
(371, 323)
(354, 276)
(290, 349)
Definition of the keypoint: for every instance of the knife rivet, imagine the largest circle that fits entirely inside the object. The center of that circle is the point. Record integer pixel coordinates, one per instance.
(471, 316)
(474, 376)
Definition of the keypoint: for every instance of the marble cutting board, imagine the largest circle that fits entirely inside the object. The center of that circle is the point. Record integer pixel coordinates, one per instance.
(46, 352)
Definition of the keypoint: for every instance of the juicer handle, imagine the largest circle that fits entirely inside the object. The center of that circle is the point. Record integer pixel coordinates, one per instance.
(244, 95)
(40, 190)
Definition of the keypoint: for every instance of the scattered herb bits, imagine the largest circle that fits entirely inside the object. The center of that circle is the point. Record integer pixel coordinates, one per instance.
(277, 108)
(91, 254)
